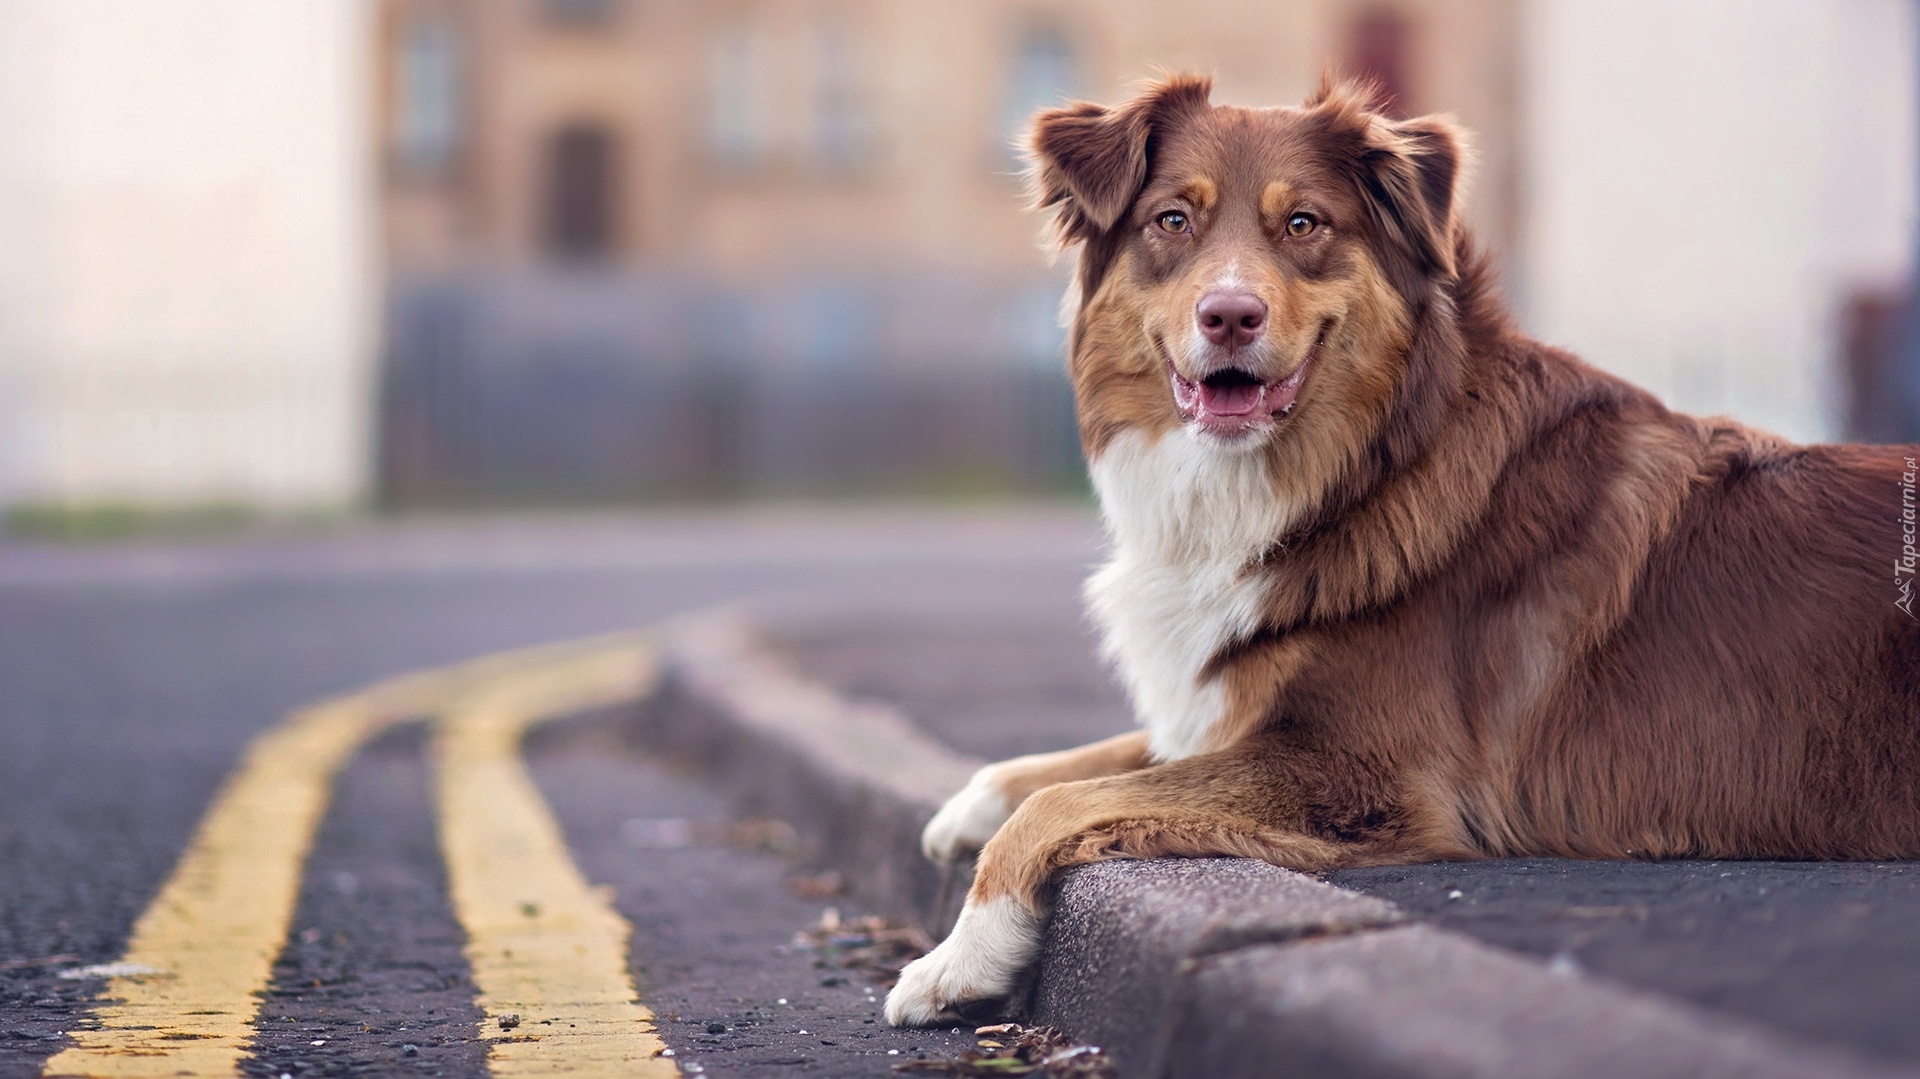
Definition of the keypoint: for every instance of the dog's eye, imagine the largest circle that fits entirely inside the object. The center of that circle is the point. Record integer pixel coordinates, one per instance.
(1173, 221)
(1301, 224)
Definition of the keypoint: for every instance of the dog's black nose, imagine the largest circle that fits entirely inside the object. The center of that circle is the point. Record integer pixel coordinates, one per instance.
(1231, 318)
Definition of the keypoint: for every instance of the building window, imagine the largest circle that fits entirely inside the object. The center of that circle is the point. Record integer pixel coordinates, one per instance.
(735, 133)
(843, 127)
(427, 125)
(580, 193)
(1044, 73)
(1381, 49)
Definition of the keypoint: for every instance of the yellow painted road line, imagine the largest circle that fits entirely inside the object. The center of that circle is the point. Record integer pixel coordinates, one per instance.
(204, 948)
(547, 950)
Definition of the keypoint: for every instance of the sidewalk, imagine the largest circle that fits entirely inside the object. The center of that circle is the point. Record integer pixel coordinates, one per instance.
(1225, 967)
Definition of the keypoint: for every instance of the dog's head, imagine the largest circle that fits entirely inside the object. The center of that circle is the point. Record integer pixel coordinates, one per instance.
(1250, 275)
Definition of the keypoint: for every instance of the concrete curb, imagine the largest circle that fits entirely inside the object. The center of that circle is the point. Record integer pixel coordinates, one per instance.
(856, 779)
(1228, 968)
(1186, 967)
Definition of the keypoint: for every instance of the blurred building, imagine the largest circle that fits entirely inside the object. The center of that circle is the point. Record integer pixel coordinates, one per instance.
(188, 295)
(751, 140)
(780, 245)
(636, 248)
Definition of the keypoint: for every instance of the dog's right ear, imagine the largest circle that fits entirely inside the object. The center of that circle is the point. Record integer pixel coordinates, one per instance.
(1091, 160)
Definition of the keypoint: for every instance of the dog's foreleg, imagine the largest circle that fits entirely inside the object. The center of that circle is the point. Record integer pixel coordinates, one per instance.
(1195, 807)
(971, 817)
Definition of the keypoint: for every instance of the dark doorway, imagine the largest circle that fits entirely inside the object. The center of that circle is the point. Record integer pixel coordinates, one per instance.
(580, 218)
(1876, 327)
(1381, 49)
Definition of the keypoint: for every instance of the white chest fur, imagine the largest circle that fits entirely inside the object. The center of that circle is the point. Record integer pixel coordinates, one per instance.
(1186, 517)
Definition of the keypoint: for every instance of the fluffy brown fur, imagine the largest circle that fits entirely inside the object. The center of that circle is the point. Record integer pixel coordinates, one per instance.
(1517, 607)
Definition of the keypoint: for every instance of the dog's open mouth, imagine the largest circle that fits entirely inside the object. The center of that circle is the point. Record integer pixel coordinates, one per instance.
(1233, 399)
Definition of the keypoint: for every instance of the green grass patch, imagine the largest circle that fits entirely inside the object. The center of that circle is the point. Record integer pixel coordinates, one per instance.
(107, 522)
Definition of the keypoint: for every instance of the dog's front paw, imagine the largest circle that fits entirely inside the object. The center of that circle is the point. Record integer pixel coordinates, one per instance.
(923, 997)
(967, 820)
(981, 959)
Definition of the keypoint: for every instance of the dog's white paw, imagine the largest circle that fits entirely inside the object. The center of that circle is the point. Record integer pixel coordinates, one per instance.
(980, 960)
(967, 820)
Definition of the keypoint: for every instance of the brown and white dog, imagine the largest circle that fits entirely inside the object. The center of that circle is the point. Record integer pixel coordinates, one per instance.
(1391, 582)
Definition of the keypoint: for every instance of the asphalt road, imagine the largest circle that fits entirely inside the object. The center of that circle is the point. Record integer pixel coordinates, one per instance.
(131, 679)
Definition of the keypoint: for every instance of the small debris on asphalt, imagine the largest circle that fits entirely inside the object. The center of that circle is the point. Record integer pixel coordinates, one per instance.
(870, 945)
(762, 834)
(1036, 1051)
(818, 885)
(716, 1028)
(410, 1049)
(508, 1020)
(677, 833)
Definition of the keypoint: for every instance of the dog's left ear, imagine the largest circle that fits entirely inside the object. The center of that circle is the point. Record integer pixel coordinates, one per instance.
(1412, 172)
(1415, 171)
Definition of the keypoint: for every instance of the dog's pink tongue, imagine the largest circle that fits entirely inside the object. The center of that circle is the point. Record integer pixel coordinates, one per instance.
(1234, 400)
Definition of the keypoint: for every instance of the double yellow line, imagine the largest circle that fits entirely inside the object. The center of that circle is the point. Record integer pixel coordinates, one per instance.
(541, 942)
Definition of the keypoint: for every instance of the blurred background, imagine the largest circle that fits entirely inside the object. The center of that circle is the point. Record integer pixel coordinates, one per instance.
(326, 255)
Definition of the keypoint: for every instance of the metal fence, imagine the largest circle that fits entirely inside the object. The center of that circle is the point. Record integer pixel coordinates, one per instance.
(549, 388)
